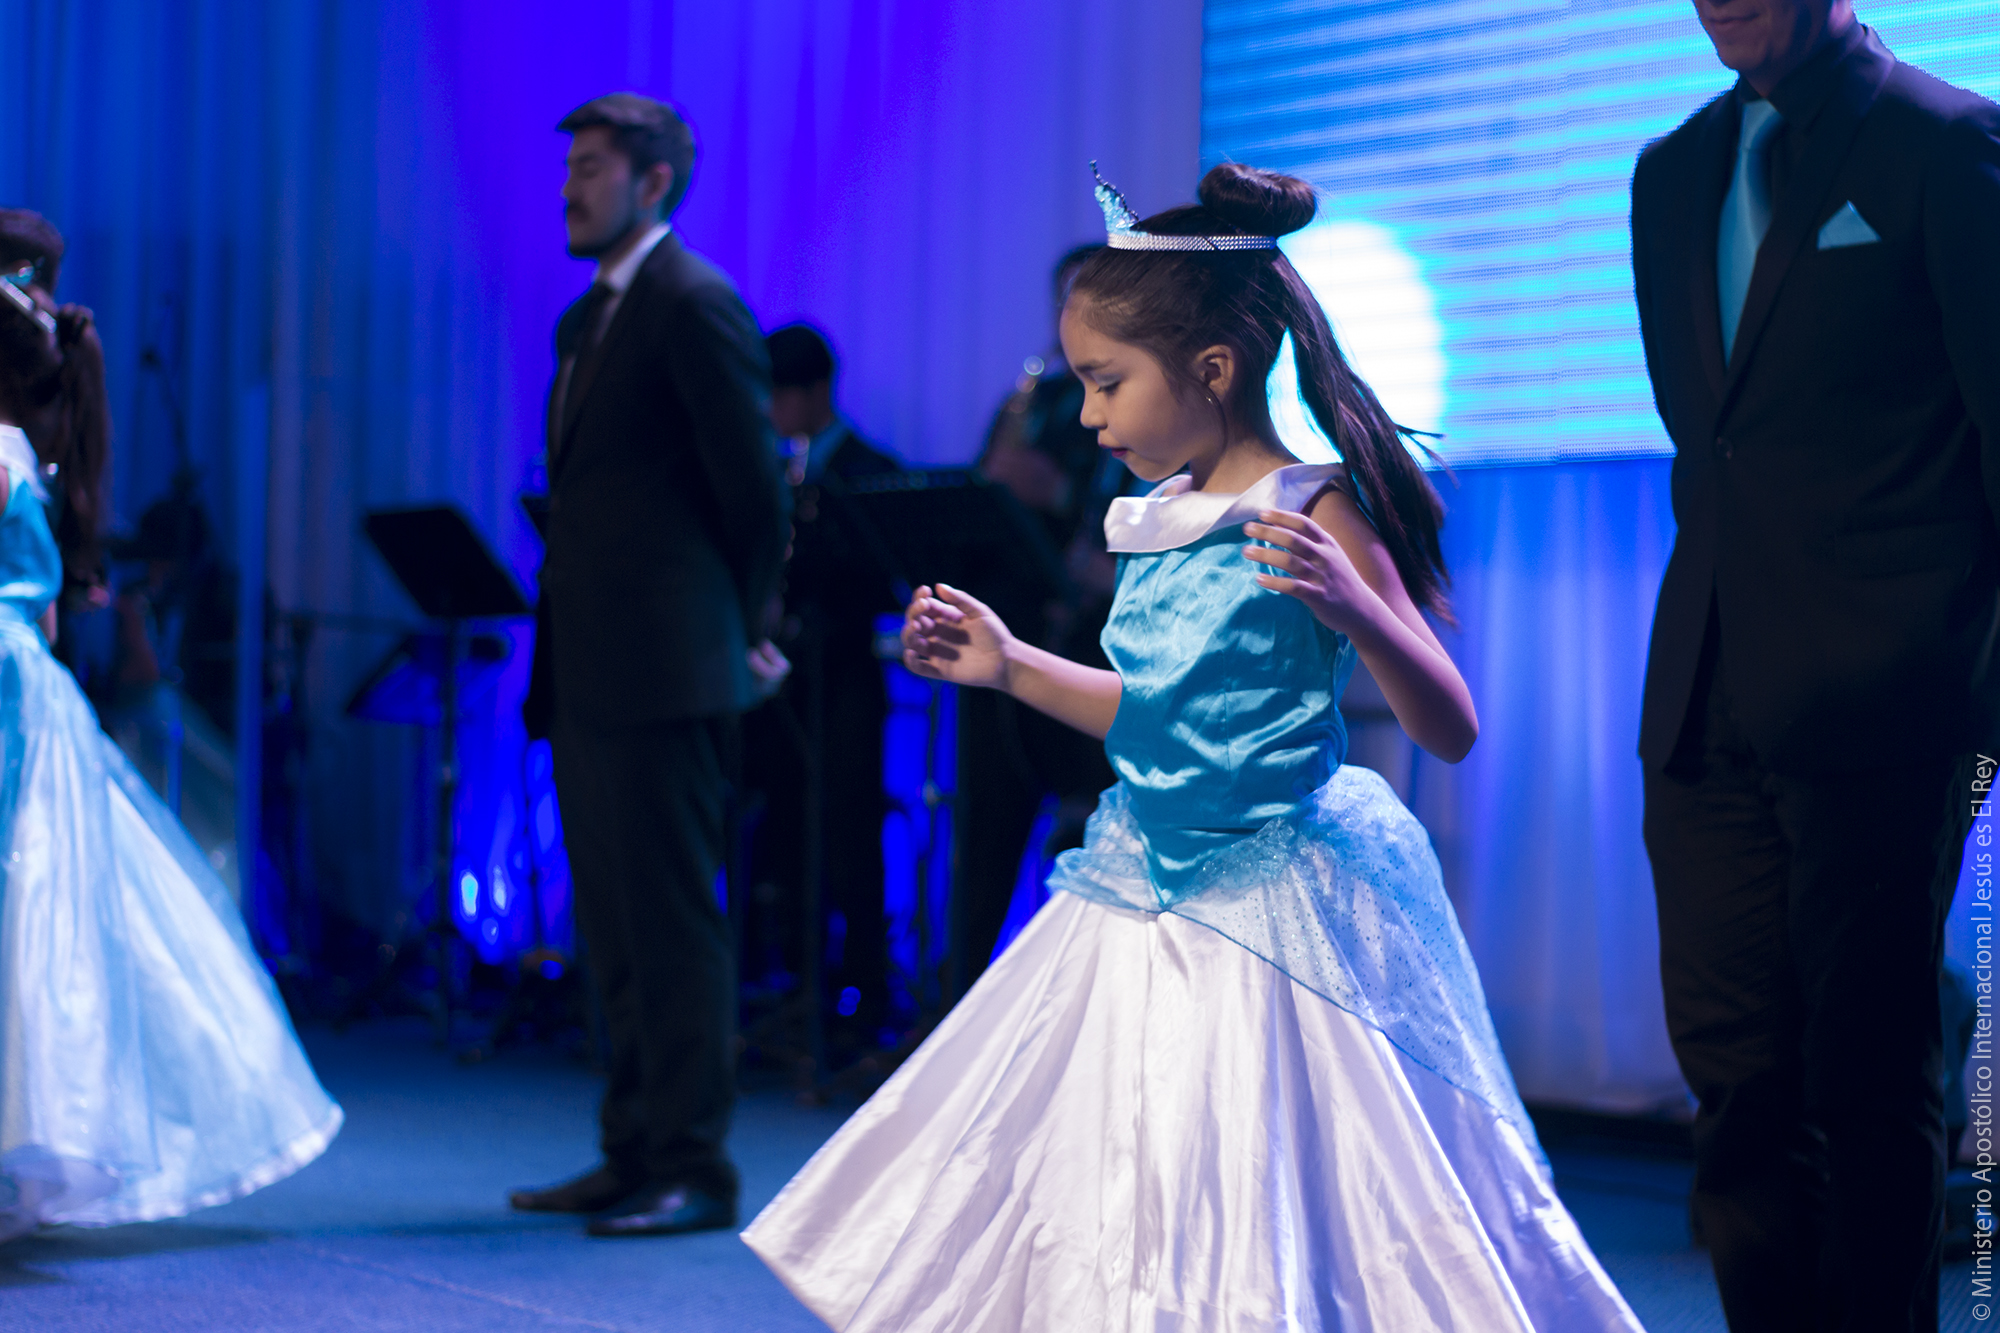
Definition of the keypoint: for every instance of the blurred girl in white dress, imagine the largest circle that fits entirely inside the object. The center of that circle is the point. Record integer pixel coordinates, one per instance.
(147, 1066)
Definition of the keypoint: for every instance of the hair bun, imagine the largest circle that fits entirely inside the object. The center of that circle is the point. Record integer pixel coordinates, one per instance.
(1257, 202)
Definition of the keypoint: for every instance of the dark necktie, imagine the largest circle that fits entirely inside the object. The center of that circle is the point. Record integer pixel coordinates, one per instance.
(579, 331)
(587, 321)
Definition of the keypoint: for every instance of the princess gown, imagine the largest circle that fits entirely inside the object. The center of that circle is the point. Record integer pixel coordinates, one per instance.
(1238, 1073)
(147, 1067)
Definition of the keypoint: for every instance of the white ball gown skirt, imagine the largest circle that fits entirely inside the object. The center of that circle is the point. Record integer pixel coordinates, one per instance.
(1136, 1121)
(147, 1067)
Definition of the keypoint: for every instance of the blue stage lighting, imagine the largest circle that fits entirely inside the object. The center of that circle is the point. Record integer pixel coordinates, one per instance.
(1475, 158)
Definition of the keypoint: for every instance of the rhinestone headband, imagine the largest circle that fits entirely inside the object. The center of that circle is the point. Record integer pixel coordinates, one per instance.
(1121, 228)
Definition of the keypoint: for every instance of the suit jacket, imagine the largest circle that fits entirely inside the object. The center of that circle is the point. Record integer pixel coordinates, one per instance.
(837, 581)
(855, 457)
(667, 507)
(1835, 484)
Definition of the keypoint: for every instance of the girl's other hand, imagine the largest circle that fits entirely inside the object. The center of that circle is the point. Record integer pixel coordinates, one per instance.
(953, 636)
(1313, 568)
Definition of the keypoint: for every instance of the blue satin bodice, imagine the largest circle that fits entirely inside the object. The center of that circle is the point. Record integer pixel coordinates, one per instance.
(1229, 715)
(30, 566)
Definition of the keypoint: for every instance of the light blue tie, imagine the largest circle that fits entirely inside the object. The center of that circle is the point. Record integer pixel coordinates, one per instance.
(1746, 216)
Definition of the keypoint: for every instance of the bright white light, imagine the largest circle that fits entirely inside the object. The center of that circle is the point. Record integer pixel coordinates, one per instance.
(468, 894)
(1385, 318)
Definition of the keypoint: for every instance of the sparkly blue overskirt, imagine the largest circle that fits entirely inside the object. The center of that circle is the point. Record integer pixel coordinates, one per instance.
(1344, 897)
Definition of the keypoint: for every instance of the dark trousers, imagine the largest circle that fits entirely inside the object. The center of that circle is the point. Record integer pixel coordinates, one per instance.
(1801, 940)
(642, 811)
(853, 706)
(831, 713)
(1011, 758)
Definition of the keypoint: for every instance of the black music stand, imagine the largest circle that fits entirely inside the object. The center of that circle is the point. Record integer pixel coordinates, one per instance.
(952, 526)
(440, 560)
(544, 980)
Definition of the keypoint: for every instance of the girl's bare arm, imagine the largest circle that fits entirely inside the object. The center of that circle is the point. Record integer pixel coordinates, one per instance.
(951, 635)
(1334, 563)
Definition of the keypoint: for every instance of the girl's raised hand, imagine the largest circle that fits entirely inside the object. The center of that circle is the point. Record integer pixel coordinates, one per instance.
(1311, 566)
(953, 636)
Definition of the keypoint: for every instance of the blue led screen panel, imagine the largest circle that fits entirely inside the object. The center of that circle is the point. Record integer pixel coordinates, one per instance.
(1475, 158)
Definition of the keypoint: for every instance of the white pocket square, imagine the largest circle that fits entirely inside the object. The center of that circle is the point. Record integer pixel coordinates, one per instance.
(1847, 227)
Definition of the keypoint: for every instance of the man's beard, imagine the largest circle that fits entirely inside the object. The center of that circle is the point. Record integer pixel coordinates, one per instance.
(592, 251)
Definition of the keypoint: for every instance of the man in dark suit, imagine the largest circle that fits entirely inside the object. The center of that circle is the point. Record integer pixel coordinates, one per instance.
(837, 581)
(667, 515)
(1817, 265)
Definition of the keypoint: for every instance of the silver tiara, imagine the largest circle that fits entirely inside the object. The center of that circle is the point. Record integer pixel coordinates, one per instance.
(1121, 228)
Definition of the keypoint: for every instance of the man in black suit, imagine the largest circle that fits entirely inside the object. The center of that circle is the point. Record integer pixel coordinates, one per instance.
(837, 581)
(1817, 265)
(667, 515)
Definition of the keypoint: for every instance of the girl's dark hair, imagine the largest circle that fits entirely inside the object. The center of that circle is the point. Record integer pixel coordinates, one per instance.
(78, 442)
(57, 395)
(1175, 303)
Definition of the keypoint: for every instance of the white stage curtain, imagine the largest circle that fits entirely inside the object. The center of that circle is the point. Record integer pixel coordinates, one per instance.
(1556, 571)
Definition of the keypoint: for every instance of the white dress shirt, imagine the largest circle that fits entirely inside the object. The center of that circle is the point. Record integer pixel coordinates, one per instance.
(619, 279)
(619, 276)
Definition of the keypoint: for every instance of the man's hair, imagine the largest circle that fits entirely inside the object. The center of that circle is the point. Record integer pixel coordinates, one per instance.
(800, 357)
(646, 132)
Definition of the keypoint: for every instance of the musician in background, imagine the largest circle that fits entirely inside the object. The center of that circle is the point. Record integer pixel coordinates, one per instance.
(1039, 449)
(836, 583)
(802, 408)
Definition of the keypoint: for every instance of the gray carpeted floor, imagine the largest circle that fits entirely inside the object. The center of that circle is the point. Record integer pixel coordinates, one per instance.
(403, 1225)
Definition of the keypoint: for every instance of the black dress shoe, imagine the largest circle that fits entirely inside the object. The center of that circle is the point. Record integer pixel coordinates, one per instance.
(665, 1210)
(592, 1192)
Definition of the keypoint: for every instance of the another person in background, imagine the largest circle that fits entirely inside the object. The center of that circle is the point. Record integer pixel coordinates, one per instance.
(147, 1066)
(836, 583)
(803, 410)
(1039, 449)
(1816, 256)
(666, 531)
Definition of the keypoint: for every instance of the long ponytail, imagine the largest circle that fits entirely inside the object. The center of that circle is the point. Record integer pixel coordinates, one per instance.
(1390, 486)
(79, 444)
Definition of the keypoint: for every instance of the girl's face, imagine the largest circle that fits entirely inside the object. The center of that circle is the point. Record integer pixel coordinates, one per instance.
(1133, 407)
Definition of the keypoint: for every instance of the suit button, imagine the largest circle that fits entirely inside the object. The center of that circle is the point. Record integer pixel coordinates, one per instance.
(1724, 447)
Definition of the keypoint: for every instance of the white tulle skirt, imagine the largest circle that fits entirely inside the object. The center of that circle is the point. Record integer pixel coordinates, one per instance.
(147, 1067)
(1134, 1123)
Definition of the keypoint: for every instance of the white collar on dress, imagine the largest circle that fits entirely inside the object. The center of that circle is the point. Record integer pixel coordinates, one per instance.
(1172, 515)
(18, 457)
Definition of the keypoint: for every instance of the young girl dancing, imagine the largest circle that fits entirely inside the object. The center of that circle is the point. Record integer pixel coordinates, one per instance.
(1238, 1073)
(147, 1067)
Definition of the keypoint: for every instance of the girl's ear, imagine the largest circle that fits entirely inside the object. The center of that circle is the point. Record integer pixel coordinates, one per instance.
(1215, 371)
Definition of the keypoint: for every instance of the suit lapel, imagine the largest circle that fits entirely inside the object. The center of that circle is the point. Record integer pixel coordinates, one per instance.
(1794, 220)
(584, 373)
(1716, 153)
(566, 341)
